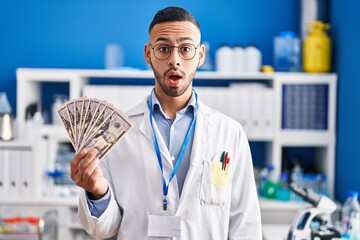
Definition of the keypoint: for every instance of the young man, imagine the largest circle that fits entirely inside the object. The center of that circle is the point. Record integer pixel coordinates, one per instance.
(184, 171)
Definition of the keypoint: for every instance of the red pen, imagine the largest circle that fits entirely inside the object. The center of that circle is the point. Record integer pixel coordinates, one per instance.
(226, 160)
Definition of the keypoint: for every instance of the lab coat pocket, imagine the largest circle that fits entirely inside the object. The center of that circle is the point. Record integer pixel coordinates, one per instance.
(214, 182)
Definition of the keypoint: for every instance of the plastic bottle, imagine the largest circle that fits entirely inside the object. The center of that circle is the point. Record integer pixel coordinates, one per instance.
(297, 172)
(4, 104)
(271, 185)
(6, 119)
(321, 181)
(355, 226)
(350, 207)
(309, 181)
(224, 58)
(252, 58)
(287, 52)
(53, 179)
(284, 190)
(317, 49)
(114, 56)
(262, 179)
(297, 178)
(58, 102)
(239, 58)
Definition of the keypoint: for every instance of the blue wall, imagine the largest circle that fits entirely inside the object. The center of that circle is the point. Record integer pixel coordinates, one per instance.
(73, 34)
(345, 20)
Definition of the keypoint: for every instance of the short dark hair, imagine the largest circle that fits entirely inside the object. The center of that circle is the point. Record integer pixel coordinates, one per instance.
(173, 14)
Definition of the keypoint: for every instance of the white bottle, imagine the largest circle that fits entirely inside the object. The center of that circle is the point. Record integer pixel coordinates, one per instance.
(239, 58)
(58, 102)
(252, 58)
(350, 207)
(355, 226)
(224, 58)
(114, 56)
(297, 178)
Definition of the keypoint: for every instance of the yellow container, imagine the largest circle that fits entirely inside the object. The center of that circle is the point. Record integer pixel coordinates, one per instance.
(317, 49)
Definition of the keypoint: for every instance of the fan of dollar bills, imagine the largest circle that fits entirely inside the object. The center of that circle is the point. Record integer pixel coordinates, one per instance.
(92, 122)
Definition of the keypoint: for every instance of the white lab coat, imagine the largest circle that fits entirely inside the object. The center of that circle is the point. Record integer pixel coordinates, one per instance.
(207, 211)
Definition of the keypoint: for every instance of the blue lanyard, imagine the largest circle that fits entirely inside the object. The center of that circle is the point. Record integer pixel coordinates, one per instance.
(182, 151)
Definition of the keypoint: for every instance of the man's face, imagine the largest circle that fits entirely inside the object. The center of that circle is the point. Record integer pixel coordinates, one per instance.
(174, 74)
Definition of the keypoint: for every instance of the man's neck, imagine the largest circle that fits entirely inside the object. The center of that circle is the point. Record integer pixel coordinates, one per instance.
(171, 105)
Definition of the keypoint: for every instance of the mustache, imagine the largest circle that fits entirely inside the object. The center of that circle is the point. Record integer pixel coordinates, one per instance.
(174, 69)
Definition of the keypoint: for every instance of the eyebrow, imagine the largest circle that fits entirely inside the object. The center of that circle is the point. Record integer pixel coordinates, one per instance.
(165, 39)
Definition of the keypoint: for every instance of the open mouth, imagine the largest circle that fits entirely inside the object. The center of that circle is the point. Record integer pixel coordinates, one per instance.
(173, 78)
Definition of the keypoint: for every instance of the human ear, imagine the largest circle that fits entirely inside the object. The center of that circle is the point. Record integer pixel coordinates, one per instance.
(201, 54)
(147, 54)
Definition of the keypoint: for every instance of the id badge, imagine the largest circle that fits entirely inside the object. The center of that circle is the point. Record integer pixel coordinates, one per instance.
(164, 224)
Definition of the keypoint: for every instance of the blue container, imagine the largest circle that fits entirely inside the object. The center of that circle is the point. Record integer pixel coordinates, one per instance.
(287, 52)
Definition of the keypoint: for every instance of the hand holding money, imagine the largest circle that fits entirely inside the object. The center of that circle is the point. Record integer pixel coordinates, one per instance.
(93, 126)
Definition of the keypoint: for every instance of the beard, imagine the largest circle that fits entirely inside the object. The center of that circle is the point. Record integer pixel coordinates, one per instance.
(174, 91)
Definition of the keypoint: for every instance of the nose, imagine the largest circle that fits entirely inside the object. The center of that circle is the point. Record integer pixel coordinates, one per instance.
(174, 58)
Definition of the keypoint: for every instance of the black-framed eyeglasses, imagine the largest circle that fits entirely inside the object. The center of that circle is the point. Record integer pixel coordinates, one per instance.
(162, 51)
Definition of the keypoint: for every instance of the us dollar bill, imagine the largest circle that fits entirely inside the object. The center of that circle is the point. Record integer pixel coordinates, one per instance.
(65, 118)
(84, 118)
(78, 114)
(89, 116)
(72, 115)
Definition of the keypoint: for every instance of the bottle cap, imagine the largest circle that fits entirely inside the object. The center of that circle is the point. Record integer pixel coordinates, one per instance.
(289, 34)
(55, 174)
(352, 193)
(4, 103)
(270, 167)
(284, 176)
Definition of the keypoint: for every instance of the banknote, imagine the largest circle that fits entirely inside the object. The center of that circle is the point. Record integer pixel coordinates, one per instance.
(78, 113)
(65, 118)
(84, 118)
(71, 111)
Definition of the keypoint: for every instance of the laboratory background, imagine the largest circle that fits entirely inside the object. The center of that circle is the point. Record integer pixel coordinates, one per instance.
(288, 70)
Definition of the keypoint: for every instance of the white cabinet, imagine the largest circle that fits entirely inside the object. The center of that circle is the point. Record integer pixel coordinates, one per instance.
(242, 97)
(277, 137)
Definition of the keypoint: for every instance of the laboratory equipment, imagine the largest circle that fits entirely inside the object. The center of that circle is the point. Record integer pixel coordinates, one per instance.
(313, 222)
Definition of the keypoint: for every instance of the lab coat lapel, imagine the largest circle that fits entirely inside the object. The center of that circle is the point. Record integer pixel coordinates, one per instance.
(145, 128)
(199, 147)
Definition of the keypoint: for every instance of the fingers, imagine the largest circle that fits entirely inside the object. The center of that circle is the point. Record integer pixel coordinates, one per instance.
(98, 183)
(88, 159)
(76, 160)
(89, 171)
(83, 167)
(94, 180)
